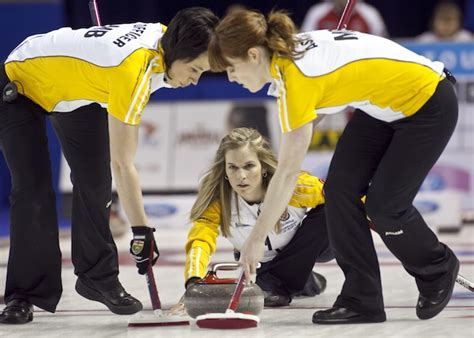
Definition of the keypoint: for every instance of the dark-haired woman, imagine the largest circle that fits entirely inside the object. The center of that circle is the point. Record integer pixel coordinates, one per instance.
(93, 84)
(406, 111)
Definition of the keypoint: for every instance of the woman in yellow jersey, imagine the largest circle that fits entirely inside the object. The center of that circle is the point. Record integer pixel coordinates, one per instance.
(93, 84)
(230, 197)
(406, 111)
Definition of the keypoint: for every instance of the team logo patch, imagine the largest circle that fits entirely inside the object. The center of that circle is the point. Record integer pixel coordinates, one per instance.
(137, 247)
(285, 216)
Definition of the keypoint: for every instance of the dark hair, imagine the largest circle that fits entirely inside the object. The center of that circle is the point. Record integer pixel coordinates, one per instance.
(188, 34)
(242, 29)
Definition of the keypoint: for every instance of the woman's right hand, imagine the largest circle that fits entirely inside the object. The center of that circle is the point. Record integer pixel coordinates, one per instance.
(250, 257)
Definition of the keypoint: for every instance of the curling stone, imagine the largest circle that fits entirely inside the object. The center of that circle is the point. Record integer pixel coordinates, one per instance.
(212, 294)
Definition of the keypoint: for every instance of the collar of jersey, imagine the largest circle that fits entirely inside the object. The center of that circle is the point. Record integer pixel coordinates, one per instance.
(160, 81)
(159, 70)
(159, 65)
(277, 80)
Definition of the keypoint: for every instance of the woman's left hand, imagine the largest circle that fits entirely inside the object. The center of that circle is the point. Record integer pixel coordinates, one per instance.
(250, 256)
(178, 309)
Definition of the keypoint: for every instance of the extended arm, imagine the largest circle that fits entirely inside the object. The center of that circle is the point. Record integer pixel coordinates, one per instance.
(123, 147)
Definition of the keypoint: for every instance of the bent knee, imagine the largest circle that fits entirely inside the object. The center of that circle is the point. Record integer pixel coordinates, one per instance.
(384, 216)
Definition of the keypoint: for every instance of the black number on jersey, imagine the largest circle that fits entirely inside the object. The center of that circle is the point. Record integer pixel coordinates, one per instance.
(268, 244)
(97, 32)
(308, 44)
(344, 35)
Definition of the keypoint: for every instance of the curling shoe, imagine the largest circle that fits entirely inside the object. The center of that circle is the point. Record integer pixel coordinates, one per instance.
(17, 311)
(273, 299)
(342, 315)
(430, 304)
(117, 300)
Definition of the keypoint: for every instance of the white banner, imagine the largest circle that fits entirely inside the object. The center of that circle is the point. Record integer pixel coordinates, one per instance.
(197, 131)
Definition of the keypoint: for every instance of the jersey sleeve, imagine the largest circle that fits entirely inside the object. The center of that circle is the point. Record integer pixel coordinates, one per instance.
(201, 243)
(297, 99)
(308, 192)
(130, 87)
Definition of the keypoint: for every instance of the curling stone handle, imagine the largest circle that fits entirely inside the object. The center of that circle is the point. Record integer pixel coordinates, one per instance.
(224, 266)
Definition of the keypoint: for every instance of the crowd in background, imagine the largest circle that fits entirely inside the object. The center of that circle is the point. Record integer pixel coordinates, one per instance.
(396, 19)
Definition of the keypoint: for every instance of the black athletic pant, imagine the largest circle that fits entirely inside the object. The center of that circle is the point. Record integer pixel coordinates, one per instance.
(34, 264)
(387, 162)
(288, 272)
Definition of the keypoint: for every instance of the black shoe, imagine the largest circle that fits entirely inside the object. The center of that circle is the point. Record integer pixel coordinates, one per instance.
(315, 285)
(273, 299)
(17, 311)
(118, 300)
(430, 304)
(342, 315)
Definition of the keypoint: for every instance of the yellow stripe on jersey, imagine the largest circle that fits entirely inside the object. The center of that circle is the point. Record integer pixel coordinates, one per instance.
(202, 236)
(282, 106)
(196, 261)
(141, 96)
(201, 243)
(297, 96)
(53, 80)
(391, 86)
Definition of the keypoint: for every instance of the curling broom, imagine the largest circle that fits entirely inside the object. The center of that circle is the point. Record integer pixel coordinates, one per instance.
(158, 317)
(230, 319)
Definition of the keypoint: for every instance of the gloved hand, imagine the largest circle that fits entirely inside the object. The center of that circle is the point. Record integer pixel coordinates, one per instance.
(143, 247)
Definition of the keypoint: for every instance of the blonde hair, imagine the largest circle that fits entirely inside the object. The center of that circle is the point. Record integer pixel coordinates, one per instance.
(214, 186)
(243, 29)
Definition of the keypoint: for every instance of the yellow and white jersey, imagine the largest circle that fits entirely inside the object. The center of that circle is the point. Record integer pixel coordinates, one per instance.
(346, 68)
(117, 66)
(202, 236)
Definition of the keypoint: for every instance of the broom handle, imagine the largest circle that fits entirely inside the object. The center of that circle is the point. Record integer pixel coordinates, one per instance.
(150, 280)
(346, 14)
(465, 282)
(94, 11)
(235, 300)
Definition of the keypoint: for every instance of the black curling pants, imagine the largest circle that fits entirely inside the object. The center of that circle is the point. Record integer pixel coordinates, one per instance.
(387, 162)
(288, 272)
(34, 264)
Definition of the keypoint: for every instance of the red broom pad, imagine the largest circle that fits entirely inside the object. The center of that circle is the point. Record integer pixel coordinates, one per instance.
(230, 319)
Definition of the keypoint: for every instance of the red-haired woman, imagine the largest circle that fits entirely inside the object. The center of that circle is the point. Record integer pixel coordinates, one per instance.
(406, 111)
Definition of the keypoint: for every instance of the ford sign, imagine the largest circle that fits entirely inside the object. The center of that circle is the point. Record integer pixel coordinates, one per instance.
(160, 209)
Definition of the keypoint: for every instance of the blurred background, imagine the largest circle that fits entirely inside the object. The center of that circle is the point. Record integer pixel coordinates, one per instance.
(181, 128)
